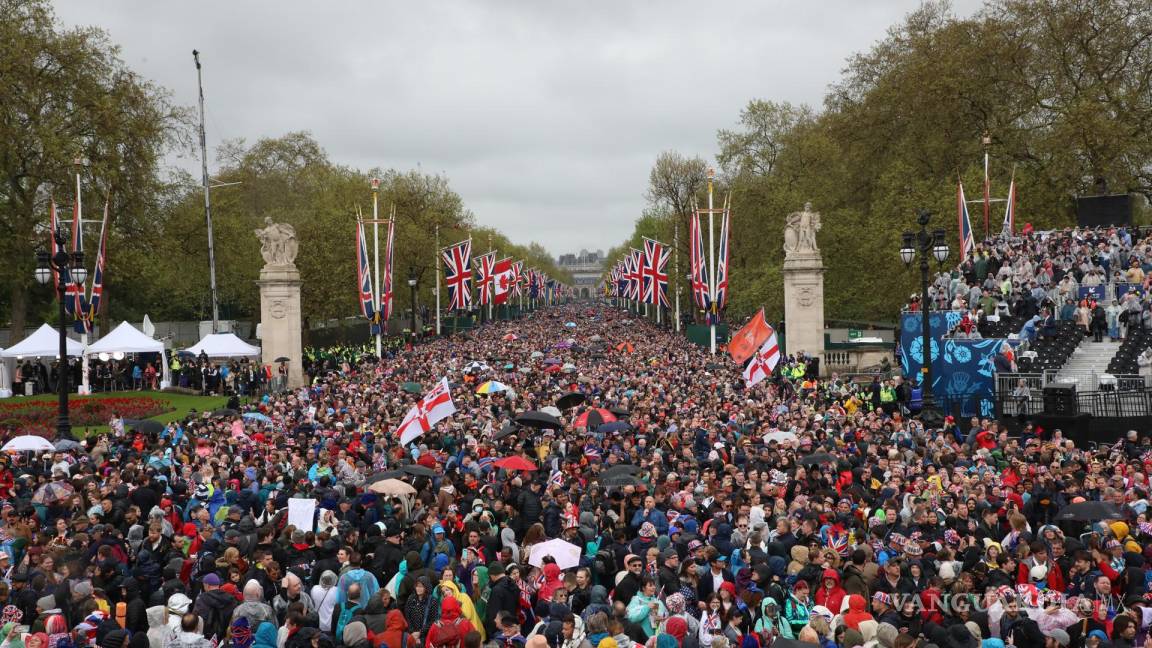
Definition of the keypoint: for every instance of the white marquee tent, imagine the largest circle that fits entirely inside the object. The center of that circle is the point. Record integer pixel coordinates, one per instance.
(126, 339)
(223, 345)
(45, 342)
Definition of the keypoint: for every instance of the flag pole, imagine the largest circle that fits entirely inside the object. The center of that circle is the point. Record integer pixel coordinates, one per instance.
(712, 267)
(491, 286)
(986, 140)
(676, 266)
(79, 236)
(376, 260)
(436, 270)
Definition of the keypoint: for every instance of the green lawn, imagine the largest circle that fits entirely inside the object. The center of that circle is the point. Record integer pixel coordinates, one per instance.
(179, 405)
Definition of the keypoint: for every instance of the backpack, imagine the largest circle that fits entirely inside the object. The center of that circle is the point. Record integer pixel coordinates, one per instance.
(448, 636)
(346, 614)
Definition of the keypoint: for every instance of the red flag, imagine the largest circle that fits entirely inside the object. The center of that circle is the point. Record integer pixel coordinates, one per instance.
(749, 338)
(504, 280)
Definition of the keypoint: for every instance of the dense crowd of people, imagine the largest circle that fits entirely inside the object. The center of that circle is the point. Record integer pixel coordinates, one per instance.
(672, 506)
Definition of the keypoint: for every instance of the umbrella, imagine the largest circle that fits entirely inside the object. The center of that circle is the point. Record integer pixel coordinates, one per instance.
(257, 416)
(553, 361)
(387, 474)
(536, 354)
(551, 410)
(620, 412)
(52, 492)
(594, 417)
(510, 337)
(569, 367)
(412, 388)
(147, 426)
(792, 643)
(1091, 512)
(223, 412)
(515, 463)
(67, 445)
(620, 480)
(506, 431)
(566, 554)
(281, 359)
(779, 437)
(561, 345)
(620, 469)
(553, 369)
(491, 387)
(626, 347)
(570, 324)
(28, 443)
(570, 400)
(614, 426)
(392, 487)
(539, 420)
(596, 338)
(817, 458)
(476, 365)
(419, 471)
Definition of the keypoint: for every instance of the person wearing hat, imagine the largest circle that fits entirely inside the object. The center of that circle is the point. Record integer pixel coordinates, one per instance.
(503, 597)
(214, 606)
(798, 607)
(629, 583)
(668, 575)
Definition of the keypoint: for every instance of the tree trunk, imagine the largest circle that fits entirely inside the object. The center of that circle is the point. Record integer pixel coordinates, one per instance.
(19, 312)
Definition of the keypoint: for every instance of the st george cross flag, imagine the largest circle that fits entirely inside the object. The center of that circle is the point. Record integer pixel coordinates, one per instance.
(434, 407)
(458, 275)
(655, 272)
(503, 280)
(744, 342)
(764, 362)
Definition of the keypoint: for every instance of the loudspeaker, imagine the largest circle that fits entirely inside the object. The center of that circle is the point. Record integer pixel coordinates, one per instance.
(1078, 427)
(1104, 211)
(1060, 399)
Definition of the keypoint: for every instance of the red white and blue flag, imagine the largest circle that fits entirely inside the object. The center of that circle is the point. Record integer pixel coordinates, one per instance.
(1010, 210)
(364, 275)
(655, 272)
(435, 406)
(764, 361)
(386, 278)
(458, 274)
(92, 308)
(73, 290)
(967, 242)
(518, 278)
(635, 274)
(720, 298)
(484, 279)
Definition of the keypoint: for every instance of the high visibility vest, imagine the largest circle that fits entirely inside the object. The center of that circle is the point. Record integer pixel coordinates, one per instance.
(887, 394)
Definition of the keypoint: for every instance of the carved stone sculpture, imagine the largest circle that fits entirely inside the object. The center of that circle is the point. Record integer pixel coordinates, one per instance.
(278, 243)
(800, 232)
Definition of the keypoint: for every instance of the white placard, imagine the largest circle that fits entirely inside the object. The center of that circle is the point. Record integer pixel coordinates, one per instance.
(301, 513)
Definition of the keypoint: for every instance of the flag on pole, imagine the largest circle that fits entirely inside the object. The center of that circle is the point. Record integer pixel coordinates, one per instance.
(1010, 211)
(635, 276)
(698, 268)
(73, 290)
(386, 300)
(965, 227)
(518, 278)
(503, 278)
(364, 275)
(93, 306)
(748, 339)
(484, 264)
(435, 406)
(458, 274)
(764, 362)
(720, 299)
(655, 272)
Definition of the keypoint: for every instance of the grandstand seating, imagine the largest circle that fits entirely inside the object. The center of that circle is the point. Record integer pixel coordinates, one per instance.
(1052, 352)
(1124, 362)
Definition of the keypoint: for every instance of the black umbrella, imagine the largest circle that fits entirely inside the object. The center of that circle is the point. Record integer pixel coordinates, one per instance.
(568, 401)
(281, 359)
(387, 474)
(817, 458)
(505, 432)
(620, 480)
(1091, 512)
(539, 420)
(620, 469)
(792, 643)
(419, 471)
(223, 412)
(620, 412)
(147, 426)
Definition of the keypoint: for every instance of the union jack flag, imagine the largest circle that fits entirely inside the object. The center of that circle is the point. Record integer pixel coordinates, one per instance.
(73, 291)
(90, 310)
(458, 275)
(699, 267)
(720, 299)
(386, 289)
(635, 274)
(533, 284)
(484, 265)
(364, 275)
(518, 278)
(655, 272)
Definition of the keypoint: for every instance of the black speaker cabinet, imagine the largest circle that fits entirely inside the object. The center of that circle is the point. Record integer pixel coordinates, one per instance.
(1060, 399)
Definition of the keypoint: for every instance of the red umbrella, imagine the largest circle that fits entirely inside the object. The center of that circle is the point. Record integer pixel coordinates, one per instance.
(515, 463)
(588, 419)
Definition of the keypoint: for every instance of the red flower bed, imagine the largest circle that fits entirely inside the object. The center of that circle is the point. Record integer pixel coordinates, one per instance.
(39, 416)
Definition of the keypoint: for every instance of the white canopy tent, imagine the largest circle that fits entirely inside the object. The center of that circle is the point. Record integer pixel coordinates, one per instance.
(223, 345)
(45, 342)
(127, 339)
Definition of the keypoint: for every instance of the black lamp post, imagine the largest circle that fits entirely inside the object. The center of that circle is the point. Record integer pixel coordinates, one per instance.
(412, 285)
(925, 244)
(69, 268)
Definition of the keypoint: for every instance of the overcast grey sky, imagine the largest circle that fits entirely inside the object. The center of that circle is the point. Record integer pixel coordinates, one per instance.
(545, 116)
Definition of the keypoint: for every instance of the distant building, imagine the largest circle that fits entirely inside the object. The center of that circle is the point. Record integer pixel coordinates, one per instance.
(587, 270)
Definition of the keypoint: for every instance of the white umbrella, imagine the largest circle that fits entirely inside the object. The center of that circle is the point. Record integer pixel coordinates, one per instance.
(779, 437)
(476, 365)
(567, 555)
(537, 354)
(551, 410)
(29, 443)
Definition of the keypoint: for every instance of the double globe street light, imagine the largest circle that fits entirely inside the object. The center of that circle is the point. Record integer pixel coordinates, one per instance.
(925, 244)
(69, 268)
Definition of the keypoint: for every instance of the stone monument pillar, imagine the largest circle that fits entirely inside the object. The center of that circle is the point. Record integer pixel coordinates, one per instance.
(280, 330)
(803, 285)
